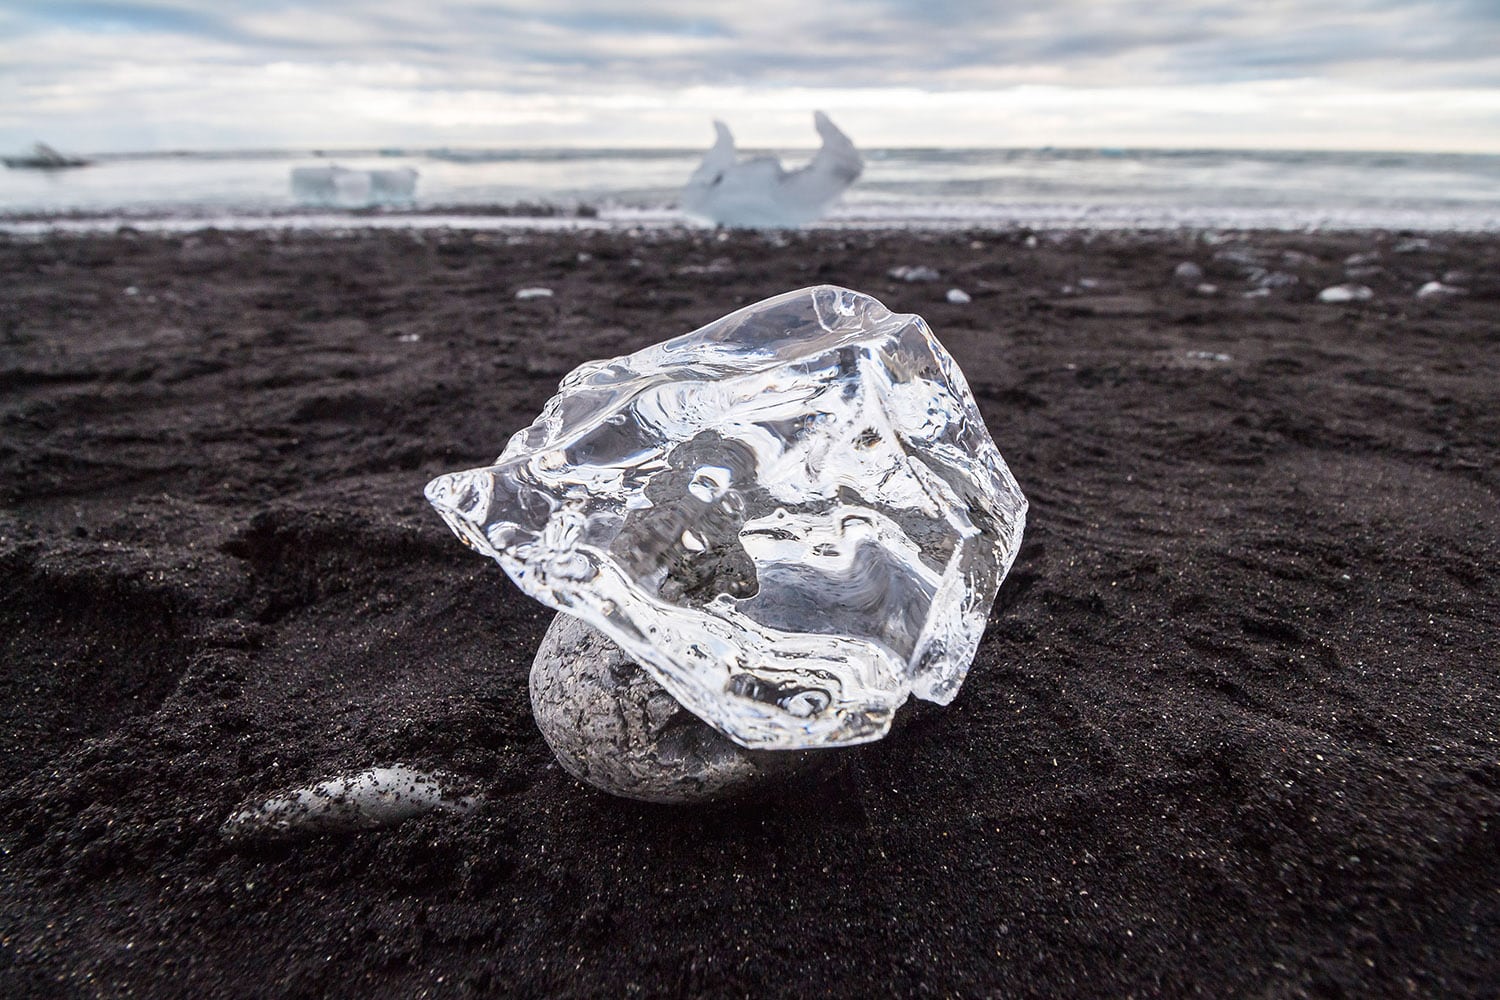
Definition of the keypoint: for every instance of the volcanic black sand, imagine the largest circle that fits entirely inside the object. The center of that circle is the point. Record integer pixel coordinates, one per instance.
(1232, 730)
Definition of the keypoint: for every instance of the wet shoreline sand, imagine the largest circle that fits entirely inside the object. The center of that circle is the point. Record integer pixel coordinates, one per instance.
(1232, 729)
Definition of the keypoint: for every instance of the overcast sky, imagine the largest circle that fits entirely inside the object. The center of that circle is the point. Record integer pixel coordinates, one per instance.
(97, 75)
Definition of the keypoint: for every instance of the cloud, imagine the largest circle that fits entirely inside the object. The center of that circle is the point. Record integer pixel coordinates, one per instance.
(176, 73)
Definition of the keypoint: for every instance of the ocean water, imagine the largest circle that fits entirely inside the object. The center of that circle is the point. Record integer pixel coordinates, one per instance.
(927, 188)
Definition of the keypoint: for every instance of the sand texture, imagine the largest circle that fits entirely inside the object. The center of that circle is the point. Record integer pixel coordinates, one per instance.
(1232, 731)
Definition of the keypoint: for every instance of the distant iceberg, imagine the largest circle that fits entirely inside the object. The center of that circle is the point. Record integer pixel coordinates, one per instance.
(344, 187)
(44, 157)
(759, 193)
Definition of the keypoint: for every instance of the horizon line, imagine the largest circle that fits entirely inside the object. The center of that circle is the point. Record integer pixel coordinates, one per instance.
(325, 152)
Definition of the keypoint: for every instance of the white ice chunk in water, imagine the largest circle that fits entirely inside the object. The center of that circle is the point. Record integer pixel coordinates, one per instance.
(526, 294)
(759, 193)
(343, 187)
(794, 517)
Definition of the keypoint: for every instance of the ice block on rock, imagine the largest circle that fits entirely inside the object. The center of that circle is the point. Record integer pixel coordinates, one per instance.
(793, 517)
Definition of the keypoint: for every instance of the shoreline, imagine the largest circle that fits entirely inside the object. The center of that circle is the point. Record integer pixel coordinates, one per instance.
(996, 218)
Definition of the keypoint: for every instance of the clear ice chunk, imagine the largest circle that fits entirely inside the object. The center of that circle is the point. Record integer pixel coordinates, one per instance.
(344, 187)
(793, 517)
(759, 193)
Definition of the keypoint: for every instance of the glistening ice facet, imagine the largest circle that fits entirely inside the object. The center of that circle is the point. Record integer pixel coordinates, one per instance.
(794, 517)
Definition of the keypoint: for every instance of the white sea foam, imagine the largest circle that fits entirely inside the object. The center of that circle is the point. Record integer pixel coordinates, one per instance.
(936, 217)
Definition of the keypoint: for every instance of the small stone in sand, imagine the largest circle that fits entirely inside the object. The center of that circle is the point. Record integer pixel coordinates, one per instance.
(913, 274)
(1346, 293)
(611, 725)
(1438, 290)
(1260, 277)
(1419, 244)
(1187, 273)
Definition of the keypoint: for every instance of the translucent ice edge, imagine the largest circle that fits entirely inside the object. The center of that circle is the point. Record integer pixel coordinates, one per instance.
(793, 517)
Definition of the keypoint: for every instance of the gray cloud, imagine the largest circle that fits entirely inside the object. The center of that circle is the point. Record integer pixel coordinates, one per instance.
(189, 68)
(945, 42)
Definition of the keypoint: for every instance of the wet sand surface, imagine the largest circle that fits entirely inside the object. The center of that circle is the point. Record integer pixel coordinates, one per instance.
(1234, 728)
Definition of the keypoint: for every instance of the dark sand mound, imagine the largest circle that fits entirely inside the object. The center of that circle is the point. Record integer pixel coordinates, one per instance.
(1233, 730)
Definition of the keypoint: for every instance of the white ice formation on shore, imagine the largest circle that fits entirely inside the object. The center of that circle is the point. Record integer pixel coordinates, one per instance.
(759, 193)
(377, 797)
(794, 517)
(343, 187)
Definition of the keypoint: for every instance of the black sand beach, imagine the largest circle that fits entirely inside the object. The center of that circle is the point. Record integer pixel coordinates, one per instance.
(1234, 729)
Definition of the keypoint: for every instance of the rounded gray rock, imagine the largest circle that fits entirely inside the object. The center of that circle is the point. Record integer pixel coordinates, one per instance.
(613, 726)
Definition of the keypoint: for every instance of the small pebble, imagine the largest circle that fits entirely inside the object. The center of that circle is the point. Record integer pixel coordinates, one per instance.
(1419, 244)
(1259, 277)
(1187, 273)
(610, 724)
(1346, 293)
(1438, 290)
(913, 274)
